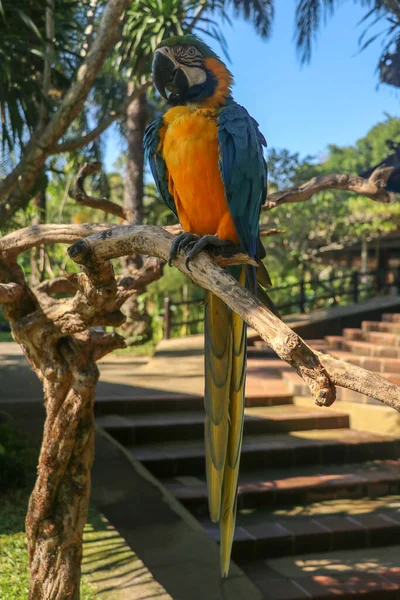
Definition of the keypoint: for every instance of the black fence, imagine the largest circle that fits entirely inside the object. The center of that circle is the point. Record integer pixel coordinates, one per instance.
(304, 296)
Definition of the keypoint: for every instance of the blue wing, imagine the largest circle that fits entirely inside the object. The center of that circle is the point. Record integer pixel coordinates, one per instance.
(244, 172)
(151, 141)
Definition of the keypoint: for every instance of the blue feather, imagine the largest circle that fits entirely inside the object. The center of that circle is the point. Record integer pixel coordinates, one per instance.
(151, 141)
(243, 170)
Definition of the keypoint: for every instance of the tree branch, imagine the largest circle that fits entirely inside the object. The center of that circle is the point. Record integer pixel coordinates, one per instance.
(374, 187)
(321, 372)
(23, 239)
(10, 292)
(78, 192)
(83, 140)
(44, 141)
(58, 285)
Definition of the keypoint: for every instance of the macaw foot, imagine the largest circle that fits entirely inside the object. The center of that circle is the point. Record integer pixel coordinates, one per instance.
(193, 244)
(181, 242)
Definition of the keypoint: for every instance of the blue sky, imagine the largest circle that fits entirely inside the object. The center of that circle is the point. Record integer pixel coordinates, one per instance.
(334, 100)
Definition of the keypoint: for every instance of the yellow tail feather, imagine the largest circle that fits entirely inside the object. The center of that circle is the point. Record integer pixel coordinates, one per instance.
(225, 367)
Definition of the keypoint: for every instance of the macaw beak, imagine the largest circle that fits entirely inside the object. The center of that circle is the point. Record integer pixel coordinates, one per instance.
(167, 76)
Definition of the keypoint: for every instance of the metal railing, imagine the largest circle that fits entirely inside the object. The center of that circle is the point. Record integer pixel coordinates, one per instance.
(303, 296)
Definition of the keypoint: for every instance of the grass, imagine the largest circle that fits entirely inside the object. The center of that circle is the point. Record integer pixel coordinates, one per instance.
(14, 574)
(5, 336)
(16, 484)
(147, 349)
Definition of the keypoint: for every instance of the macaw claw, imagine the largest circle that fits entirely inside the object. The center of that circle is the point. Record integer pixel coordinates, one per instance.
(193, 244)
(180, 243)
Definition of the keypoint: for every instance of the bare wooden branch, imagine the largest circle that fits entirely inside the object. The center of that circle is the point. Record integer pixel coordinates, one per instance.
(10, 292)
(78, 192)
(79, 142)
(99, 343)
(269, 232)
(58, 285)
(321, 372)
(374, 187)
(23, 239)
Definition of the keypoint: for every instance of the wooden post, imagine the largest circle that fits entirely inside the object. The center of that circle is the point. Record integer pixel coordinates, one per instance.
(355, 286)
(185, 311)
(302, 301)
(167, 318)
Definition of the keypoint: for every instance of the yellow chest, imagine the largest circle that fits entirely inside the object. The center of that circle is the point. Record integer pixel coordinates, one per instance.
(189, 143)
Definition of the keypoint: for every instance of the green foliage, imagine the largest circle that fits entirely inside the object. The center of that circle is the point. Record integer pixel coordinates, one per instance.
(17, 467)
(22, 51)
(14, 574)
(310, 14)
(330, 217)
(17, 458)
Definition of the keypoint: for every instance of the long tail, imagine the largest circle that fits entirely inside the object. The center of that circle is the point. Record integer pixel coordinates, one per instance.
(225, 378)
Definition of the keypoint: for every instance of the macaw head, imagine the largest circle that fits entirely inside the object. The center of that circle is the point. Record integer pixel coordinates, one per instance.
(187, 71)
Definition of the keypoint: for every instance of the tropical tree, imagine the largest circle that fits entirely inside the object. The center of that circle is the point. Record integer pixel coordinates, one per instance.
(333, 218)
(310, 14)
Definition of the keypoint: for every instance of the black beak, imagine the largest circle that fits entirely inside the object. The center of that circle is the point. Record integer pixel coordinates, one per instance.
(168, 77)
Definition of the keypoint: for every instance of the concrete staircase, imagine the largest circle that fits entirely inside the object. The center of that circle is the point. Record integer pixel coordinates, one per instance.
(319, 502)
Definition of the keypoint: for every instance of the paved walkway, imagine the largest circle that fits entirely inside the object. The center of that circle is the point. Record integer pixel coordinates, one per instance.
(178, 367)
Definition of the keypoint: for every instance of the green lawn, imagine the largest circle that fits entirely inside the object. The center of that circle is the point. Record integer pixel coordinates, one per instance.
(5, 336)
(16, 483)
(14, 575)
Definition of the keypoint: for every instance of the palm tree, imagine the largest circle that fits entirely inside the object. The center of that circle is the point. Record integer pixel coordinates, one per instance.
(310, 14)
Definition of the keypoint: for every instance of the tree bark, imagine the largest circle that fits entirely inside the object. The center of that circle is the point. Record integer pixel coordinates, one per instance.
(136, 116)
(57, 339)
(137, 326)
(58, 505)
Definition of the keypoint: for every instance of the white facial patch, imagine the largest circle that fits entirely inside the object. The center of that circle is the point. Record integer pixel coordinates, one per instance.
(195, 75)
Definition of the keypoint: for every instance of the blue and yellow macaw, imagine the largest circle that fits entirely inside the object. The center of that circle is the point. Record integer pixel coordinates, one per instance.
(206, 156)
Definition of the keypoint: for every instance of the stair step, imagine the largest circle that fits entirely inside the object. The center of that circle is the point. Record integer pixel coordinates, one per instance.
(356, 574)
(382, 338)
(372, 363)
(370, 349)
(323, 527)
(353, 334)
(379, 326)
(334, 341)
(391, 317)
(299, 486)
(140, 404)
(158, 427)
(338, 446)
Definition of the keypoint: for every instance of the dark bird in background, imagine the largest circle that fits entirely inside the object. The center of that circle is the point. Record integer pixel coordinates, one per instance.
(393, 160)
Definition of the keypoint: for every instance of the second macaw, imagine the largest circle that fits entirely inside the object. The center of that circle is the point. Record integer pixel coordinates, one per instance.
(206, 156)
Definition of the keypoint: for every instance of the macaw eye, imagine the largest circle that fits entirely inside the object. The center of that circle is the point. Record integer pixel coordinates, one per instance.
(191, 52)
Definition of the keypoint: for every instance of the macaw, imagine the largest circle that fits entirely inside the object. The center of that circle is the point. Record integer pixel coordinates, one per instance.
(206, 156)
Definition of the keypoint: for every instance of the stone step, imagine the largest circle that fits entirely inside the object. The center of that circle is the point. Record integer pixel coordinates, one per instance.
(159, 427)
(370, 574)
(370, 349)
(391, 317)
(382, 338)
(383, 366)
(154, 403)
(352, 334)
(334, 342)
(379, 326)
(324, 447)
(295, 487)
(319, 527)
